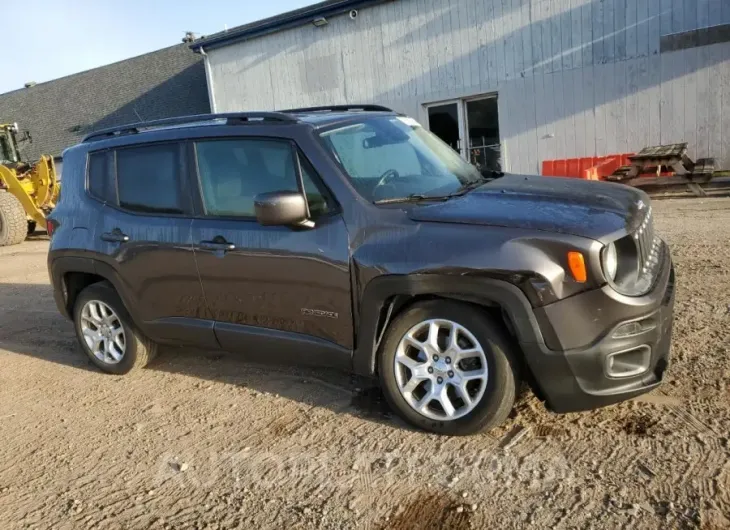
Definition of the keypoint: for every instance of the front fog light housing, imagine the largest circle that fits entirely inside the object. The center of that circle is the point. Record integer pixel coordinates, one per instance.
(610, 261)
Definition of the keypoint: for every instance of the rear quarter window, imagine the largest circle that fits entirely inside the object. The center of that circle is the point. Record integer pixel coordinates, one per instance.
(102, 185)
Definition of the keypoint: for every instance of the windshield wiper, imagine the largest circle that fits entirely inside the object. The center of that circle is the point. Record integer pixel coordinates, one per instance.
(466, 188)
(414, 197)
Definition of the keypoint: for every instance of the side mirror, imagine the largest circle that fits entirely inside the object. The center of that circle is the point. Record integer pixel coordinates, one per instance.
(281, 208)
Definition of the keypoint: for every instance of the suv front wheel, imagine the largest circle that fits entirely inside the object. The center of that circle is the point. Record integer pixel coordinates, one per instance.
(447, 368)
(106, 333)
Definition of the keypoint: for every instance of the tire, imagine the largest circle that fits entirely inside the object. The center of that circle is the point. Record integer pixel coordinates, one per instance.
(31, 227)
(138, 350)
(13, 222)
(491, 397)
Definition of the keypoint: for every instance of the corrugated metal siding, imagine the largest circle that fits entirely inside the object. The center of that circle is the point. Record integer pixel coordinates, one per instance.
(574, 77)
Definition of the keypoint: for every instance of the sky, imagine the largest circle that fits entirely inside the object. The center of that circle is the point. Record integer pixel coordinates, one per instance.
(48, 39)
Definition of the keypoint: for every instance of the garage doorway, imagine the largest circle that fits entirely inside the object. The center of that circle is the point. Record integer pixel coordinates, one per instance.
(471, 127)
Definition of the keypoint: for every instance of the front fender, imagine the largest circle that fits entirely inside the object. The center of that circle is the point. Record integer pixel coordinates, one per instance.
(484, 291)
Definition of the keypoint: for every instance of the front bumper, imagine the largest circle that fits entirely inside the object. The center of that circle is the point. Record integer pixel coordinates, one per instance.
(580, 374)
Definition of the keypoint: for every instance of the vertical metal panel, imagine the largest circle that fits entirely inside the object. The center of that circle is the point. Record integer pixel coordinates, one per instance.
(517, 33)
(703, 13)
(689, 17)
(526, 32)
(724, 72)
(621, 32)
(666, 17)
(599, 54)
(460, 57)
(576, 14)
(609, 38)
(643, 25)
(536, 36)
(555, 32)
(602, 72)
(690, 78)
(677, 22)
(714, 101)
(655, 26)
(632, 28)
(567, 110)
(635, 125)
(587, 30)
(472, 49)
(565, 21)
(588, 96)
(652, 94)
(486, 70)
(703, 102)
(506, 35)
(497, 41)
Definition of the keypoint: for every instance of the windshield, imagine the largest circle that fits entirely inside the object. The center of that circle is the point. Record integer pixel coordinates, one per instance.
(389, 157)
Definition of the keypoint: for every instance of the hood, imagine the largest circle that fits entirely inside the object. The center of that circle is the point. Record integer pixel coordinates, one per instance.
(554, 204)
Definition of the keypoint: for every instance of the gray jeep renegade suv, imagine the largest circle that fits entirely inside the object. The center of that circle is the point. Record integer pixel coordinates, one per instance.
(352, 237)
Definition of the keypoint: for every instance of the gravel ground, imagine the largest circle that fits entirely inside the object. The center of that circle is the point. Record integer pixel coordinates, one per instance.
(206, 440)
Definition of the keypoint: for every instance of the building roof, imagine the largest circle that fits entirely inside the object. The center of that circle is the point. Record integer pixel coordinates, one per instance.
(290, 19)
(165, 83)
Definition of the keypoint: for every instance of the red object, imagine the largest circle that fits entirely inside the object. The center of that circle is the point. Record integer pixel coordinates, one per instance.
(589, 168)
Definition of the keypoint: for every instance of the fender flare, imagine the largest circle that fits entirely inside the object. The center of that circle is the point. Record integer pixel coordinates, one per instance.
(59, 266)
(479, 290)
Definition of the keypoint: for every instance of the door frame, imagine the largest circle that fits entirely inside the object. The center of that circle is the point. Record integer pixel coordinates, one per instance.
(489, 95)
(463, 121)
(461, 114)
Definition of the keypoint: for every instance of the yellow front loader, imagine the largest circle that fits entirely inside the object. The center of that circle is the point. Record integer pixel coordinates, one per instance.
(28, 191)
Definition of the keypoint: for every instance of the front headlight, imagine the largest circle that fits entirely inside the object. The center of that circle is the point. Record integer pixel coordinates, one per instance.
(610, 261)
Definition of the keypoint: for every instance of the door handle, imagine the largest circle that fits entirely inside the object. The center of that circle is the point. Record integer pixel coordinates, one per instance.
(217, 245)
(115, 236)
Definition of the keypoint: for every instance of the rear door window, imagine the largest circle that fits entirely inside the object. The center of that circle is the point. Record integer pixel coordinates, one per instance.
(149, 178)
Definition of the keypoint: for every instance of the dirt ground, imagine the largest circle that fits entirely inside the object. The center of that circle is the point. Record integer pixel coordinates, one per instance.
(206, 440)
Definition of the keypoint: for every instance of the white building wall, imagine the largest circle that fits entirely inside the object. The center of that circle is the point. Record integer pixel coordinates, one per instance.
(574, 77)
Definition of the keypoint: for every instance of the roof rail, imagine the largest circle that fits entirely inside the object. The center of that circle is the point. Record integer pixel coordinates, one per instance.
(335, 108)
(231, 118)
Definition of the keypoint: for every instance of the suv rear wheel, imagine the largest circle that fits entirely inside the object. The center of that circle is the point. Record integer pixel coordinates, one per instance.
(446, 367)
(106, 333)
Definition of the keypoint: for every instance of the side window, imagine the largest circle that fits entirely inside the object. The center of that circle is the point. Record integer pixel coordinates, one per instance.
(233, 172)
(148, 178)
(102, 185)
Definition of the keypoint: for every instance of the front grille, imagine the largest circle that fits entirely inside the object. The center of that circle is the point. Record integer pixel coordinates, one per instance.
(647, 244)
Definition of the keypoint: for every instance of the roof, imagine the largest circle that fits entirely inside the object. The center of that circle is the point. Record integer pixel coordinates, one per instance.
(59, 113)
(290, 19)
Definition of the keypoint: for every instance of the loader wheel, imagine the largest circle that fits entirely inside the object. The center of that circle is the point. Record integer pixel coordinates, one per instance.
(13, 222)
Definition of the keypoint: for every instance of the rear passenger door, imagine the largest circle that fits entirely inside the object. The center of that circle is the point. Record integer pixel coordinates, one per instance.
(145, 239)
(270, 286)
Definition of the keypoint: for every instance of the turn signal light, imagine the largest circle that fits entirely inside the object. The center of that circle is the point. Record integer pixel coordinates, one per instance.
(577, 264)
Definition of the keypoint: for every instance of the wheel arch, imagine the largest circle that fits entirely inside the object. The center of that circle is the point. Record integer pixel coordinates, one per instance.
(387, 296)
(73, 274)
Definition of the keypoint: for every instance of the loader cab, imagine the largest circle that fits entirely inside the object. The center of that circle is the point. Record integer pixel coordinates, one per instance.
(9, 153)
